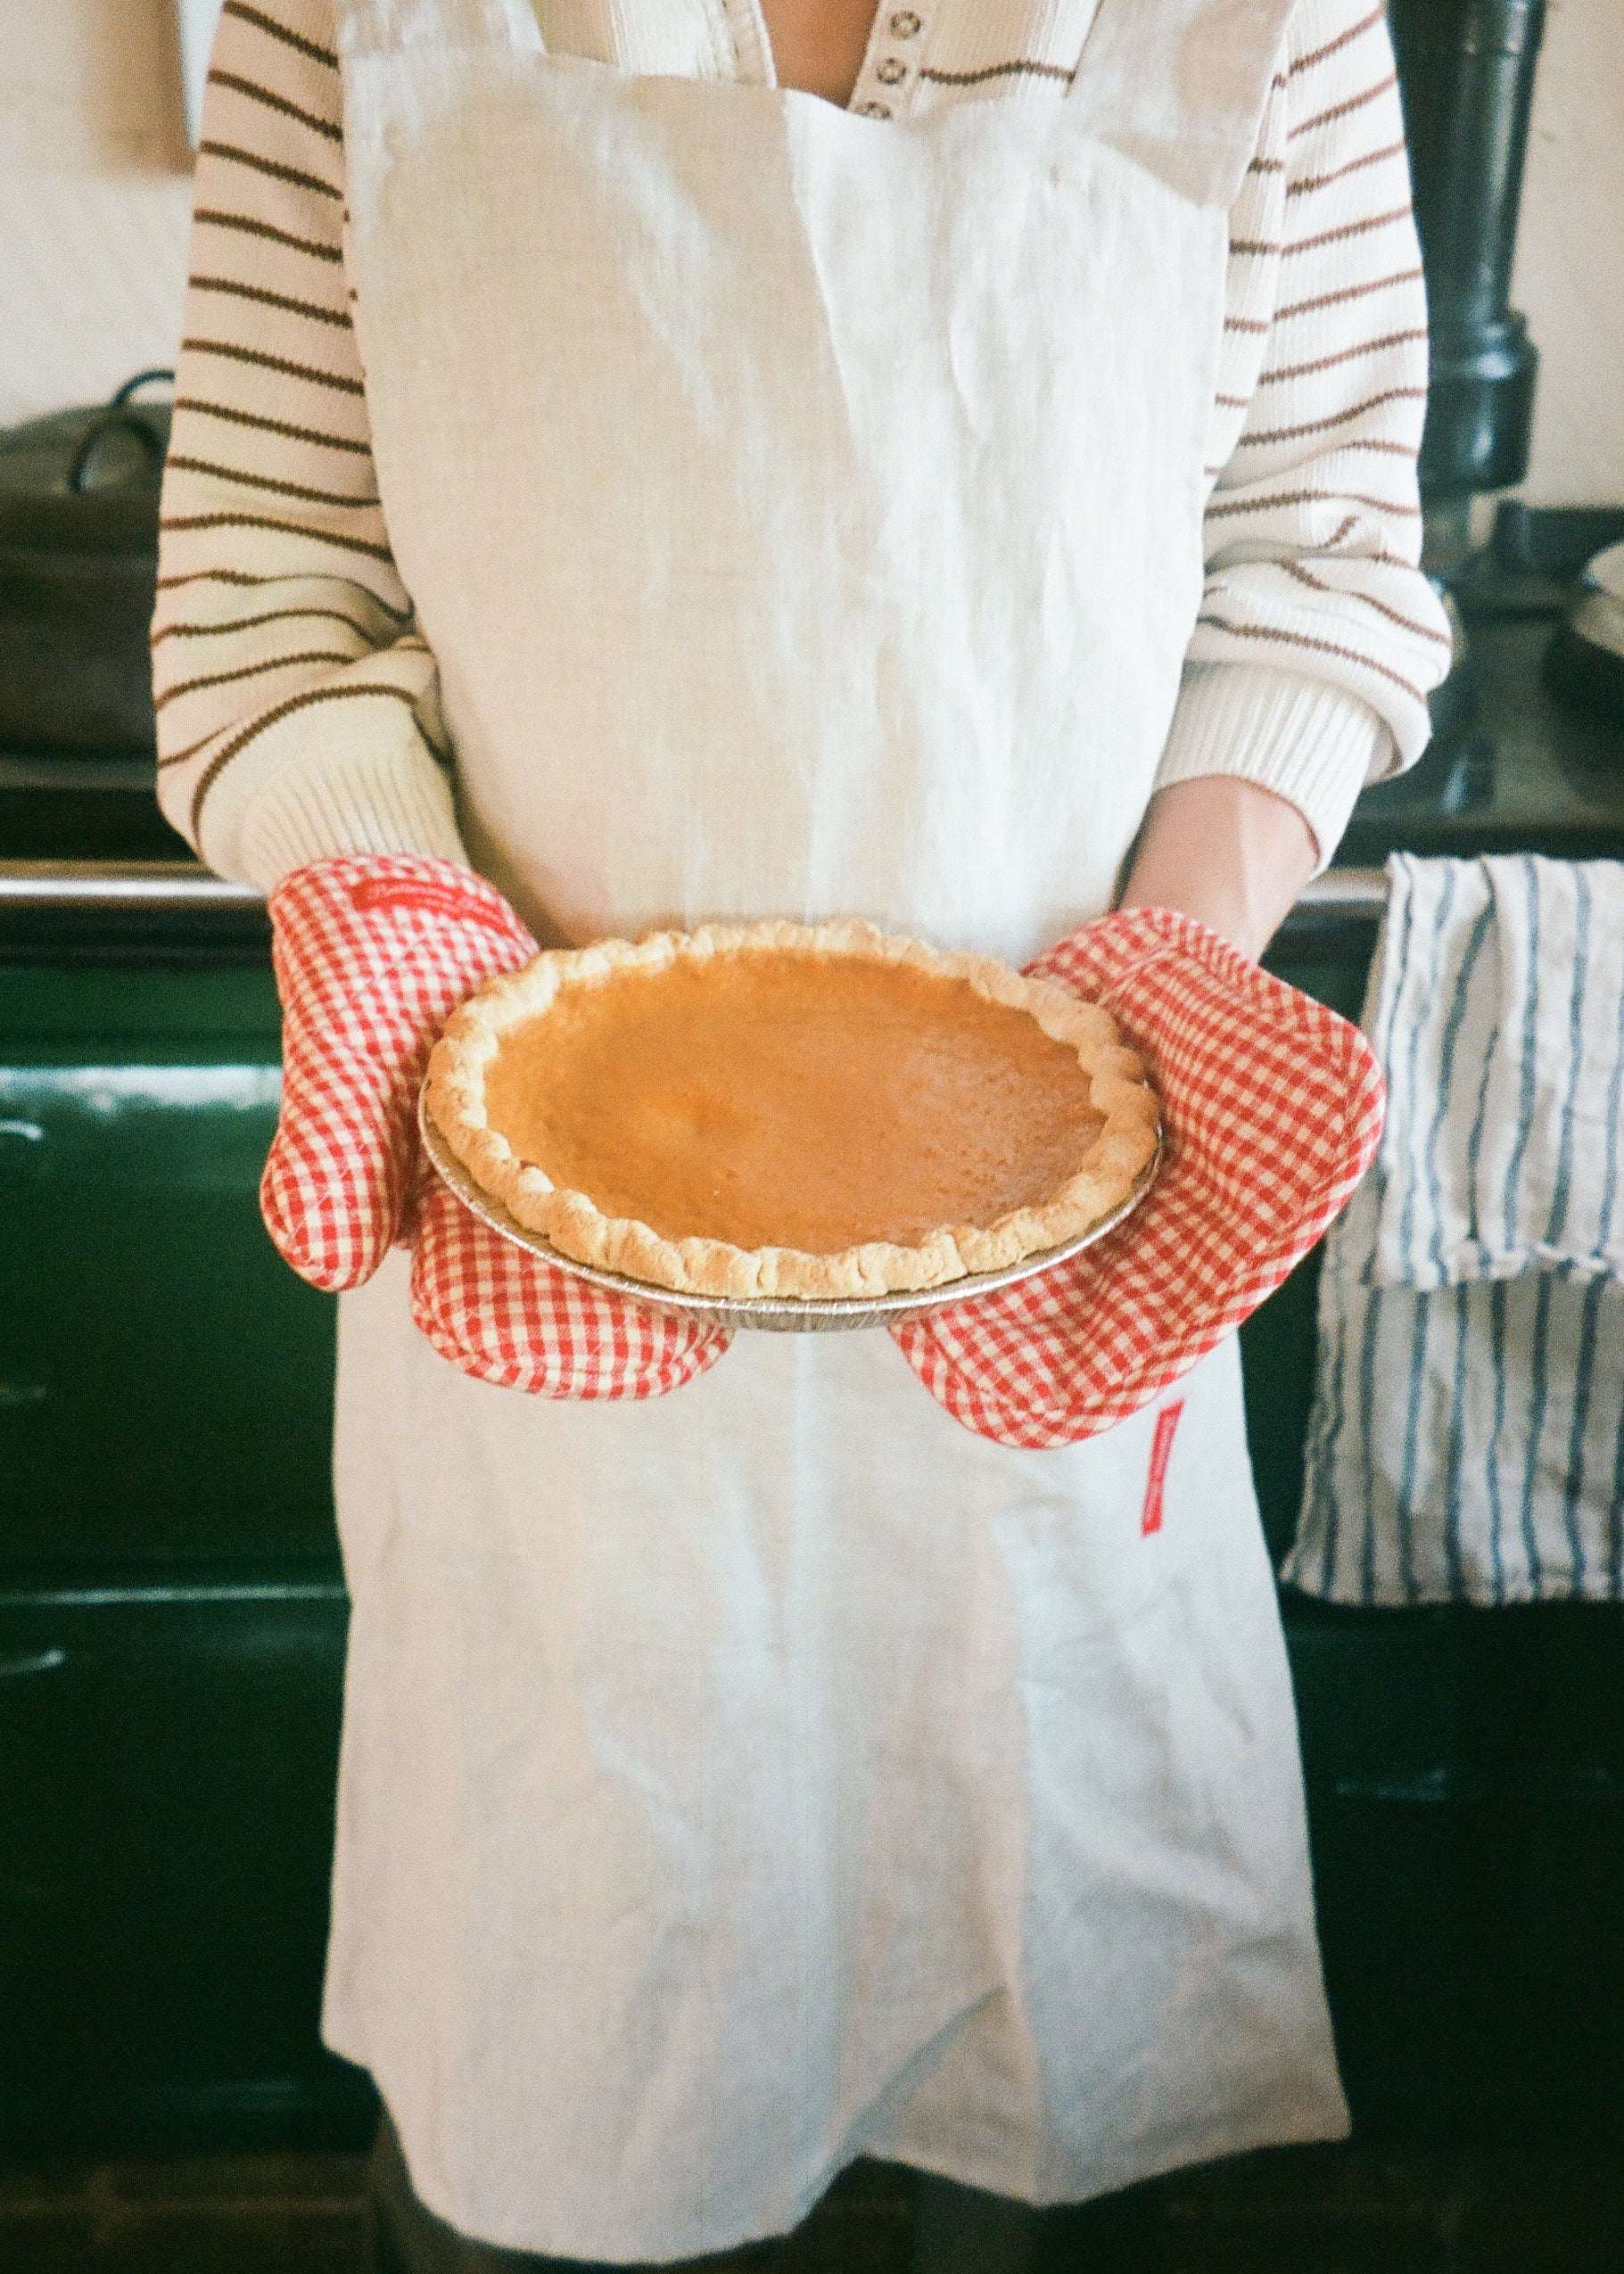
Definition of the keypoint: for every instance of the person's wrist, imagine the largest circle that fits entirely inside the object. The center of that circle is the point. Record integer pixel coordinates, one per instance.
(1225, 851)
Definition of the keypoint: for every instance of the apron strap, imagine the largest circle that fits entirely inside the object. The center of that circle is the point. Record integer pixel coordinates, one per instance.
(381, 27)
(1181, 86)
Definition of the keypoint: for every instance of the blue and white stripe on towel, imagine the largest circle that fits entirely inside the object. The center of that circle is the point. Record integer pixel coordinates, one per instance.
(1467, 1438)
(1498, 1014)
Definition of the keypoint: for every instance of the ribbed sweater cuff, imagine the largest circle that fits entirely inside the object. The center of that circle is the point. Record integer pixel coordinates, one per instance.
(366, 800)
(1311, 743)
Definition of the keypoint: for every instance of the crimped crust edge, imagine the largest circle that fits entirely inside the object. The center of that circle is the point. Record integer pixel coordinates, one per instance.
(1115, 1165)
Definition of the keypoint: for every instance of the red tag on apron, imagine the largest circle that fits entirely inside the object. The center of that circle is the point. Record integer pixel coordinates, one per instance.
(1161, 1449)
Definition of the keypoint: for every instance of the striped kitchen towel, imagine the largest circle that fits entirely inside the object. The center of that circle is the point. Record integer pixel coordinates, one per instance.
(1467, 1438)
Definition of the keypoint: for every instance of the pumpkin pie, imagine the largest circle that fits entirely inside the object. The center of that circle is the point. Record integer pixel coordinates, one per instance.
(782, 1109)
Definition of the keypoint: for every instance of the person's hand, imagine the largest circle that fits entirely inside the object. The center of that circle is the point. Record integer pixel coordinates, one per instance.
(373, 952)
(1271, 1110)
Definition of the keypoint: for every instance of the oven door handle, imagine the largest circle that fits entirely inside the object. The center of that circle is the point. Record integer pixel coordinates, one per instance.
(100, 887)
(103, 886)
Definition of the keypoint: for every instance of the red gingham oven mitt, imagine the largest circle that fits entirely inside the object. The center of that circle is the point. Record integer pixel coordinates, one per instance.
(373, 952)
(1271, 1110)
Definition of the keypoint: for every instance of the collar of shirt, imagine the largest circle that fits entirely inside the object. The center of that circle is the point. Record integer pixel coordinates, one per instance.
(920, 55)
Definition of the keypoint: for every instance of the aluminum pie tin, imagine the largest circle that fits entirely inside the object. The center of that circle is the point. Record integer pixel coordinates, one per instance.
(774, 1313)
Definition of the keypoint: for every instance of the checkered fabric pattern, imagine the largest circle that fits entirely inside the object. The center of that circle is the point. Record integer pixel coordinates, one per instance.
(507, 1318)
(373, 952)
(371, 956)
(1272, 1107)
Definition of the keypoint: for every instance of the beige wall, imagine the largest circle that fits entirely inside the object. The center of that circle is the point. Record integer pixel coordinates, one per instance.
(94, 192)
(1569, 276)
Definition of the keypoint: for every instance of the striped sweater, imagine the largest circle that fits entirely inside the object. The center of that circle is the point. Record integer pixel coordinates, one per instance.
(297, 700)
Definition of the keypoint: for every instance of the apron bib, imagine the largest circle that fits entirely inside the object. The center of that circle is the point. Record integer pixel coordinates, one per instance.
(809, 522)
(805, 511)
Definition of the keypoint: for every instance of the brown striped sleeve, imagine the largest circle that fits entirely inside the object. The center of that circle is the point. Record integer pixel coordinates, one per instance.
(1319, 639)
(298, 712)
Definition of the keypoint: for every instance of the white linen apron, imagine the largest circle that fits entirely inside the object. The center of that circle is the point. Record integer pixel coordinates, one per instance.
(805, 511)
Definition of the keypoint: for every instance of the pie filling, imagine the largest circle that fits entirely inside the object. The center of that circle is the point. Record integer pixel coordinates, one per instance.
(781, 1100)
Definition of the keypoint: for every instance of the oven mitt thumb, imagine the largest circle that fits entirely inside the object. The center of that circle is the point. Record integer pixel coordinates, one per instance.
(508, 1317)
(373, 952)
(1271, 1110)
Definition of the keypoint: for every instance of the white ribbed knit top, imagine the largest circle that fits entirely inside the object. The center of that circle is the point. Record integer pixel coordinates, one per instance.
(281, 613)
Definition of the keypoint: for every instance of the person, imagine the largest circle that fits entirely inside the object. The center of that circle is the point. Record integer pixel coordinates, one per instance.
(955, 465)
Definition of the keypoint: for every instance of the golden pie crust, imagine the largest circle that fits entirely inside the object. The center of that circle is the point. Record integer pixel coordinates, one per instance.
(784, 1109)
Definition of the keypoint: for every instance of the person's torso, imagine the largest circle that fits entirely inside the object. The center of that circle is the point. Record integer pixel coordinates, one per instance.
(803, 505)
